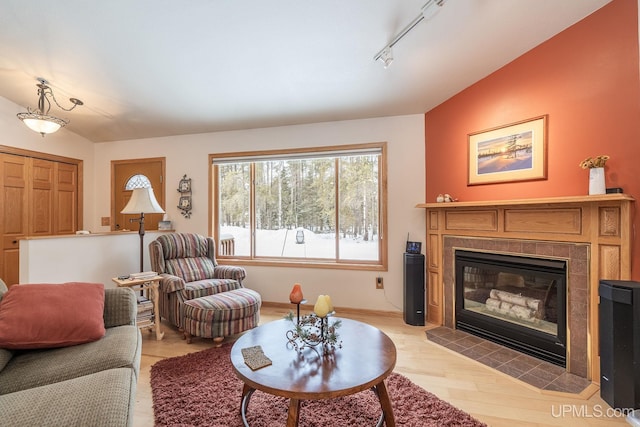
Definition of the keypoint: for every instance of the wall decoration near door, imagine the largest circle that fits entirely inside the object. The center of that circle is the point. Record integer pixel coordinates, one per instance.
(515, 152)
(184, 203)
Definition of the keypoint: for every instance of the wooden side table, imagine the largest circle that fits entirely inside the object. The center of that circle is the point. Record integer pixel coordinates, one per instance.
(151, 286)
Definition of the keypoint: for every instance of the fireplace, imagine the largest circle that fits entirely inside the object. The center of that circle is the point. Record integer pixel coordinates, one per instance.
(593, 234)
(516, 301)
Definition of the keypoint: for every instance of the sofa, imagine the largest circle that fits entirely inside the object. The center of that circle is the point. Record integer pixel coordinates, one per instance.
(88, 384)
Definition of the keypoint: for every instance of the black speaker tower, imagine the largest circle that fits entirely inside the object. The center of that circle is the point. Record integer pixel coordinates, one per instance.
(413, 292)
(619, 318)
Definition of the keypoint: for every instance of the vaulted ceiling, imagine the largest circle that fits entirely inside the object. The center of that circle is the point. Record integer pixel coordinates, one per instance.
(150, 68)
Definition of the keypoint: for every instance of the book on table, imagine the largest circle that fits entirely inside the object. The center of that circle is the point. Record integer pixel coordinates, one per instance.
(145, 311)
(143, 275)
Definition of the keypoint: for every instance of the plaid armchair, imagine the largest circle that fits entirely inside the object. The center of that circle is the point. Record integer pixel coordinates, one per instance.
(188, 267)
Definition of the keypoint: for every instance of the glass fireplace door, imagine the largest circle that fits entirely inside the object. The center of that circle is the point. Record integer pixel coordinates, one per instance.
(517, 301)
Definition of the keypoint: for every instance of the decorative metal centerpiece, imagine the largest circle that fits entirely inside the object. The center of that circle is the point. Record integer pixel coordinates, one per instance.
(313, 330)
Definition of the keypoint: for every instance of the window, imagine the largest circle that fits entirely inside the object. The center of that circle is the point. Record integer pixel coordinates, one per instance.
(320, 206)
(137, 181)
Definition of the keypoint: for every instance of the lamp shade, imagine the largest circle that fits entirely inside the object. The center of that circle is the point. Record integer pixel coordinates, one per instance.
(142, 201)
(41, 124)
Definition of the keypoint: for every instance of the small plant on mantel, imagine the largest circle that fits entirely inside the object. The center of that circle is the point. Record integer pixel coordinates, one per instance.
(594, 162)
(596, 173)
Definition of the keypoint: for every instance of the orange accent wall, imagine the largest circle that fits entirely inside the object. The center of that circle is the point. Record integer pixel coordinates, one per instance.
(586, 79)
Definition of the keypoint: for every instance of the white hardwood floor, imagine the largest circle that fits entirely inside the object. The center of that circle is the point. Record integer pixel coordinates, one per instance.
(488, 395)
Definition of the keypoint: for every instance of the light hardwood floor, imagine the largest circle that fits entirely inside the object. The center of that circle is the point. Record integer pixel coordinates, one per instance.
(488, 395)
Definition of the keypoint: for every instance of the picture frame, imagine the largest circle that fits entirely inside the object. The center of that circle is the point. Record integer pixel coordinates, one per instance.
(509, 153)
(164, 225)
(184, 203)
(184, 186)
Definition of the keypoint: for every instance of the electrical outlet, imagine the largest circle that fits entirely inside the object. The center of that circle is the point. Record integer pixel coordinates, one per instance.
(379, 284)
(105, 220)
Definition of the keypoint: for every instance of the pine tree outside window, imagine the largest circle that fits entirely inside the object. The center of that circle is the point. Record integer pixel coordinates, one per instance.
(317, 207)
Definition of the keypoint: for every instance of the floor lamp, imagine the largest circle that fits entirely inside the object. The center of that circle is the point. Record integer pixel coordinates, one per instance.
(142, 201)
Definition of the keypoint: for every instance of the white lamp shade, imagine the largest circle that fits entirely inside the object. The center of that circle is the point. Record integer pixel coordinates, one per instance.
(42, 126)
(42, 123)
(142, 201)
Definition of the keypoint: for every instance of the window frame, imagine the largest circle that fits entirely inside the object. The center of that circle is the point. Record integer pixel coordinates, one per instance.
(373, 265)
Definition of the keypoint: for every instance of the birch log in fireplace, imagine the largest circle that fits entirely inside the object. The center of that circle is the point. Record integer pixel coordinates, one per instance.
(592, 233)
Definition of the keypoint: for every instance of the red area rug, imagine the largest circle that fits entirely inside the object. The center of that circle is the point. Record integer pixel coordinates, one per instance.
(201, 389)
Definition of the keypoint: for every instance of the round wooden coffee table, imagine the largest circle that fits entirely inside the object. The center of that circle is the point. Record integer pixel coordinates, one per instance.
(366, 358)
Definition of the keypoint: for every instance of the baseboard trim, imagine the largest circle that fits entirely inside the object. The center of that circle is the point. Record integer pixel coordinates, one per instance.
(346, 310)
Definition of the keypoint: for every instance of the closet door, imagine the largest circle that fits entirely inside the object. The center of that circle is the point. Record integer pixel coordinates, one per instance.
(14, 213)
(42, 196)
(65, 212)
(39, 197)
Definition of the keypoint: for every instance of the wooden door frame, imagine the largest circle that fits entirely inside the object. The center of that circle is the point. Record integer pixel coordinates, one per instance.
(53, 157)
(163, 162)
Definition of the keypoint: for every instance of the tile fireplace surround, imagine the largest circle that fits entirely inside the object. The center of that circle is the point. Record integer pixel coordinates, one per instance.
(593, 233)
(577, 285)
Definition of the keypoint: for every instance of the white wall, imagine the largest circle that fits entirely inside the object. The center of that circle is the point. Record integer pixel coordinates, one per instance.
(91, 258)
(188, 154)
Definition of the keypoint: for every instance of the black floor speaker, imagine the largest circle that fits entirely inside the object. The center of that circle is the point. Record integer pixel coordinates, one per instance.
(619, 318)
(413, 293)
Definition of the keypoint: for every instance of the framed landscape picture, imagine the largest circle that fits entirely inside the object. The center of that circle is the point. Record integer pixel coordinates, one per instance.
(515, 152)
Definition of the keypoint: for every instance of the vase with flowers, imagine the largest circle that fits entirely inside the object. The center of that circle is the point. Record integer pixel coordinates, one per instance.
(596, 173)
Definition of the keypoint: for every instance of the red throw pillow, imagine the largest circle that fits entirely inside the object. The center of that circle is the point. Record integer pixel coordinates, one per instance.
(51, 315)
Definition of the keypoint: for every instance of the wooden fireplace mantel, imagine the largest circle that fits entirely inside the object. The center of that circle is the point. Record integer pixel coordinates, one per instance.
(603, 222)
(540, 201)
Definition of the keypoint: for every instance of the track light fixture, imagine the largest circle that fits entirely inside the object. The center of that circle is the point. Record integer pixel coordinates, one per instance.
(386, 56)
(39, 120)
(428, 11)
